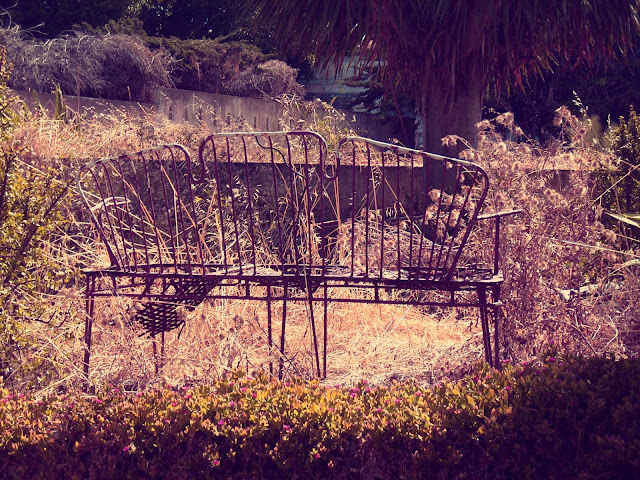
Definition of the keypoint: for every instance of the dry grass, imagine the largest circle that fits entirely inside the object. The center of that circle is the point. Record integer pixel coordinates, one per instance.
(379, 343)
(558, 244)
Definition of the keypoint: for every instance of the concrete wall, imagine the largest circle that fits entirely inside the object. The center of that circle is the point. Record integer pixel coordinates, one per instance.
(220, 111)
(83, 105)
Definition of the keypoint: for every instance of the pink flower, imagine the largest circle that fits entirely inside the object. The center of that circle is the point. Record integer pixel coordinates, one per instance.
(243, 389)
(507, 388)
(126, 449)
(254, 394)
(221, 422)
(286, 427)
(378, 409)
(317, 455)
(216, 462)
(418, 394)
(139, 394)
(398, 401)
(232, 403)
(187, 397)
(174, 404)
(552, 359)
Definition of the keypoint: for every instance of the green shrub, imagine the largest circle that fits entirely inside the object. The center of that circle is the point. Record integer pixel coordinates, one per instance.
(619, 187)
(228, 68)
(562, 418)
(30, 195)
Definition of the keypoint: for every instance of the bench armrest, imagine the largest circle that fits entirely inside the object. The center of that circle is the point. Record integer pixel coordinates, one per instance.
(496, 242)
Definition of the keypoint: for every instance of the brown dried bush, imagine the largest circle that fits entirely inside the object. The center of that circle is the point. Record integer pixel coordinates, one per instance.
(272, 78)
(569, 280)
(116, 67)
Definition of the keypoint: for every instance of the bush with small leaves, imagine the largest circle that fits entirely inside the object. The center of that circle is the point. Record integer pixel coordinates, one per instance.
(560, 417)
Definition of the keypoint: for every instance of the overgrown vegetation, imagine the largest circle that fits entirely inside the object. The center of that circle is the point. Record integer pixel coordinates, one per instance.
(129, 67)
(620, 185)
(31, 193)
(571, 281)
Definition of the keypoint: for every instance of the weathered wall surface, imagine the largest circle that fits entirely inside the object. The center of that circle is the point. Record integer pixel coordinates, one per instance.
(218, 111)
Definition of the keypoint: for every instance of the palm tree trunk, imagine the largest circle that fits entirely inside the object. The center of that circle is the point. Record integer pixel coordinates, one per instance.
(457, 118)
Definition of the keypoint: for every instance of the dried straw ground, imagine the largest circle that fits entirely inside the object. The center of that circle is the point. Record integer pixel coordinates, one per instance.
(379, 343)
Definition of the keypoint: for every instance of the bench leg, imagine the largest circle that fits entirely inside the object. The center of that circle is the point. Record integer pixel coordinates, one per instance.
(158, 361)
(269, 330)
(496, 323)
(282, 334)
(88, 324)
(484, 320)
(324, 338)
(312, 319)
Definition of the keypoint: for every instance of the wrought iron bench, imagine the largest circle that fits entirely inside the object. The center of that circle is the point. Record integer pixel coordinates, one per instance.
(274, 217)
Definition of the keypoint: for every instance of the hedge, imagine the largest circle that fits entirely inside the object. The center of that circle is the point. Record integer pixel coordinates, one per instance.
(568, 417)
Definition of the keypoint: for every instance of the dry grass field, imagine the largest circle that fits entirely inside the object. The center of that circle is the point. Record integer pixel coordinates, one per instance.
(559, 244)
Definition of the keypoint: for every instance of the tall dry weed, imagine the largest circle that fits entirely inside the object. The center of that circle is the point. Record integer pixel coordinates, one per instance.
(569, 280)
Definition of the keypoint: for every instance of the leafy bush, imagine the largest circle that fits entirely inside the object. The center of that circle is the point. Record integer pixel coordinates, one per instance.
(30, 195)
(620, 185)
(228, 68)
(561, 418)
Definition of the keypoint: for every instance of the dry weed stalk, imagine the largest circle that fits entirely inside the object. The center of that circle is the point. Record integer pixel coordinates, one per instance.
(564, 282)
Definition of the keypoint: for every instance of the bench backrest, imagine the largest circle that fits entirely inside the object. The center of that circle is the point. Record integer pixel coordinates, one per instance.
(283, 202)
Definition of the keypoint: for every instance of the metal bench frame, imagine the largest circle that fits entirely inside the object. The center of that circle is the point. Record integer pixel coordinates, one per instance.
(274, 217)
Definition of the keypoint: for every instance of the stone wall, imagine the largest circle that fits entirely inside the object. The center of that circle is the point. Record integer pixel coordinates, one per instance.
(219, 111)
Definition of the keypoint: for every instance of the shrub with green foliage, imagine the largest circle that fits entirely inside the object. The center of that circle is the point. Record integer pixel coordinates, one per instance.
(568, 417)
(620, 186)
(228, 68)
(30, 195)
